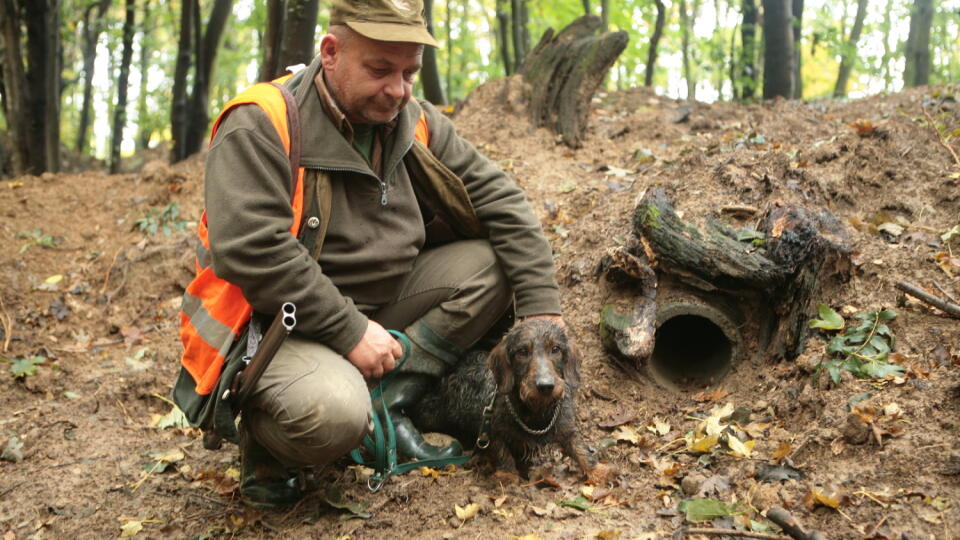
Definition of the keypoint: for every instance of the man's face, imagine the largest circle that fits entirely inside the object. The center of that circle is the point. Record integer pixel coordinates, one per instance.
(371, 80)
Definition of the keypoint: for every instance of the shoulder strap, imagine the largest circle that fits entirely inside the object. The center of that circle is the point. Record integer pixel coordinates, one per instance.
(293, 125)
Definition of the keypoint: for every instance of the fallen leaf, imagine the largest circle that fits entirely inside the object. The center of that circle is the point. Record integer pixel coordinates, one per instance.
(706, 509)
(531, 536)
(738, 448)
(863, 128)
(716, 395)
(466, 512)
(782, 451)
(131, 528)
(619, 419)
(609, 534)
(659, 427)
(580, 503)
(626, 433)
(706, 444)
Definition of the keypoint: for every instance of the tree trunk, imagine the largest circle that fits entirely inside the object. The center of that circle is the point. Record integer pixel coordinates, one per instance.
(299, 27)
(586, 6)
(885, 61)
(91, 34)
(797, 53)
(120, 112)
(748, 59)
(53, 84)
(43, 79)
(144, 128)
(604, 15)
(849, 53)
(686, 25)
(521, 34)
(654, 44)
(778, 49)
(917, 68)
(179, 102)
(15, 88)
(209, 44)
(767, 290)
(448, 24)
(270, 63)
(503, 36)
(430, 75)
(563, 72)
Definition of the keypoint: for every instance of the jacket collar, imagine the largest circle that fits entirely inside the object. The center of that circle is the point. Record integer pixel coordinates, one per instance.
(324, 147)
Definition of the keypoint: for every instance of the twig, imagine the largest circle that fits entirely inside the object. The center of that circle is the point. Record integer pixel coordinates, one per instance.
(737, 209)
(935, 301)
(7, 325)
(943, 142)
(789, 524)
(733, 533)
(945, 293)
(106, 278)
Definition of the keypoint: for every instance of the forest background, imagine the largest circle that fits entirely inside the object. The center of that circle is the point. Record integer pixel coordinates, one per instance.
(89, 82)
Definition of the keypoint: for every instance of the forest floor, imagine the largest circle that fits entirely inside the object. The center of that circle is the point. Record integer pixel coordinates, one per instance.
(88, 321)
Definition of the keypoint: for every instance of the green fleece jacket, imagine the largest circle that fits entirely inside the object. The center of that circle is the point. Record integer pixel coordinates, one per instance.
(367, 246)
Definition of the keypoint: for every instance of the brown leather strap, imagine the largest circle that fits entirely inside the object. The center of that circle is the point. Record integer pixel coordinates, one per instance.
(293, 125)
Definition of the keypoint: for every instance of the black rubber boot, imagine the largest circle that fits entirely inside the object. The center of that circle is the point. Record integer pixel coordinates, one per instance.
(264, 482)
(405, 390)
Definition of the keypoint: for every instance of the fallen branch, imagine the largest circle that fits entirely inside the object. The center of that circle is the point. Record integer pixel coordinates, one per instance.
(944, 292)
(940, 138)
(732, 533)
(789, 524)
(7, 325)
(935, 301)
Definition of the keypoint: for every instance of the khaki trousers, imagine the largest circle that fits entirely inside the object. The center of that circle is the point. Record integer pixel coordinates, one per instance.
(312, 406)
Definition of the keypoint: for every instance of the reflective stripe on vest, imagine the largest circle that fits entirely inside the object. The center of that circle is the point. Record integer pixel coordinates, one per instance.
(214, 312)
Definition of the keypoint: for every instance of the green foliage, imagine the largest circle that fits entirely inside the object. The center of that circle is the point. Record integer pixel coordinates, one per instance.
(756, 238)
(26, 366)
(35, 237)
(706, 509)
(862, 350)
(166, 220)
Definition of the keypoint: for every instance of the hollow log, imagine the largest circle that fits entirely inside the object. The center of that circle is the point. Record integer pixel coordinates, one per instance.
(564, 70)
(766, 286)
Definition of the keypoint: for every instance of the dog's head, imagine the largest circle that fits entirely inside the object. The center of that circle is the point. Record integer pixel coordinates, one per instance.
(536, 362)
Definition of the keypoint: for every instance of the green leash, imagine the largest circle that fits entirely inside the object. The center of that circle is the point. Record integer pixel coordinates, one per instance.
(383, 443)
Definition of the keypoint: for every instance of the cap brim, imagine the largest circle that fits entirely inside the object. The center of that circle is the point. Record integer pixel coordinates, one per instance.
(394, 32)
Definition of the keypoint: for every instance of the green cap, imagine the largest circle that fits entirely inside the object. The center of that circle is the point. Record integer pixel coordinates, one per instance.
(384, 20)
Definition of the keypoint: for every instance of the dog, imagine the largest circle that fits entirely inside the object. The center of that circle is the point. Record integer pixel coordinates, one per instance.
(527, 385)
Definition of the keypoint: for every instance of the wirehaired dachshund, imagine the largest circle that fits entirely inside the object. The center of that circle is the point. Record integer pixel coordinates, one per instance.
(527, 385)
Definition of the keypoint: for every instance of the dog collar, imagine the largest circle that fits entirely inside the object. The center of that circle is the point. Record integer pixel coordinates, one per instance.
(528, 429)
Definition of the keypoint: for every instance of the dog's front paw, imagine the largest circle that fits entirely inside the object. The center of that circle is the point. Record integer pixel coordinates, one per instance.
(600, 475)
(507, 478)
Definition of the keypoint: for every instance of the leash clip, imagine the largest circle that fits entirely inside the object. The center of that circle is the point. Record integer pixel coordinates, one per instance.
(483, 438)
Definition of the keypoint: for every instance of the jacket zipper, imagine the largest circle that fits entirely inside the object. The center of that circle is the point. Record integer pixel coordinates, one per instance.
(383, 184)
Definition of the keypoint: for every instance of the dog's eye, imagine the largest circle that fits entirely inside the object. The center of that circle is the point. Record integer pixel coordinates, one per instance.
(555, 349)
(522, 353)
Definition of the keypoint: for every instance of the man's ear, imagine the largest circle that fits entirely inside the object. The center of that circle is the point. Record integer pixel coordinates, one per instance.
(500, 366)
(329, 51)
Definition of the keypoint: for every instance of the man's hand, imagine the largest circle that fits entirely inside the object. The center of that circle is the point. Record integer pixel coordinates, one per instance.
(377, 352)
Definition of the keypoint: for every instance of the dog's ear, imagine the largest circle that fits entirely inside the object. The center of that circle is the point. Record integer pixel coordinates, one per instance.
(571, 366)
(501, 368)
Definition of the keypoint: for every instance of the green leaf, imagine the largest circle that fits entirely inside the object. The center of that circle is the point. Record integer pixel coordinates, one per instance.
(749, 235)
(881, 370)
(357, 510)
(829, 319)
(948, 236)
(580, 503)
(854, 400)
(886, 315)
(705, 509)
(26, 366)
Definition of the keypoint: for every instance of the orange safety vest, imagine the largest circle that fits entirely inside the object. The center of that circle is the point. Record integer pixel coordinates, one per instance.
(214, 312)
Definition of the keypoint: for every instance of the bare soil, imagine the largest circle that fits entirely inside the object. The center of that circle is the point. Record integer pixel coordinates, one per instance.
(81, 434)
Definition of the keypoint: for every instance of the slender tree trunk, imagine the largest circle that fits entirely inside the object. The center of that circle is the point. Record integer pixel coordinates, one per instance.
(41, 59)
(885, 27)
(797, 34)
(15, 88)
(120, 113)
(430, 75)
(91, 34)
(685, 24)
(586, 6)
(734, 88)
(207, 50)
(778, 49)
(178, 108)
(448, 23)
(270, 65)
(604, 15)
(654, 43)
(503, 36)
(521, 34)
(53, 84)
(144, 129)
(299, 27)
(748, 39)
(917, 68)
(850, 51)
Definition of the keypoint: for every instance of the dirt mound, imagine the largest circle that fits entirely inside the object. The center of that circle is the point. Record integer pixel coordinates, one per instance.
(94, 265)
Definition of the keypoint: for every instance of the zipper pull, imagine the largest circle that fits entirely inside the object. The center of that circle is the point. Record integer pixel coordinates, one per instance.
(383, 193)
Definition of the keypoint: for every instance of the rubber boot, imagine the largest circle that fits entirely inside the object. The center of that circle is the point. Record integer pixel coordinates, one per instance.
(264, 482)
(405, 390)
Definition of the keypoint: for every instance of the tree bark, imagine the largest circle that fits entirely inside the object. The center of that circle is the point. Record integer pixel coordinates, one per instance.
(270, 63)
(179, 102)
(503, 37)
(521, 34)
(849, 53)
(91, 34)
(917, 68)
(778, 49)
(797, 49)
(43, 79)
(430, 75)
(15, 88)
(564, 70)
(748, 58)
(299, 28)
(604, 15)
(144, 127)
(206, 57)
(686, 25)
(654, 44)
(886, 26)
(120, 112)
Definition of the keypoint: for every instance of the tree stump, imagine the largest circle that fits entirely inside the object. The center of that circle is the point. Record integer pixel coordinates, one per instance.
(563, 72)
(758, 293)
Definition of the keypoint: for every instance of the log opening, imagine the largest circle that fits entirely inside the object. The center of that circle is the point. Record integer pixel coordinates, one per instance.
(695, 346)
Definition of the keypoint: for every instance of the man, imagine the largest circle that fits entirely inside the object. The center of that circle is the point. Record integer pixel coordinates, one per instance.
(391, 249)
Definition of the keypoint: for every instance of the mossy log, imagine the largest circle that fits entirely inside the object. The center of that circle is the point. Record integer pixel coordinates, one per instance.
(563, 72)
(797, 256)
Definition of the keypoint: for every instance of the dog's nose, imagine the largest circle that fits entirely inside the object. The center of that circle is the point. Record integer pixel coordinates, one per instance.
(545, 386)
